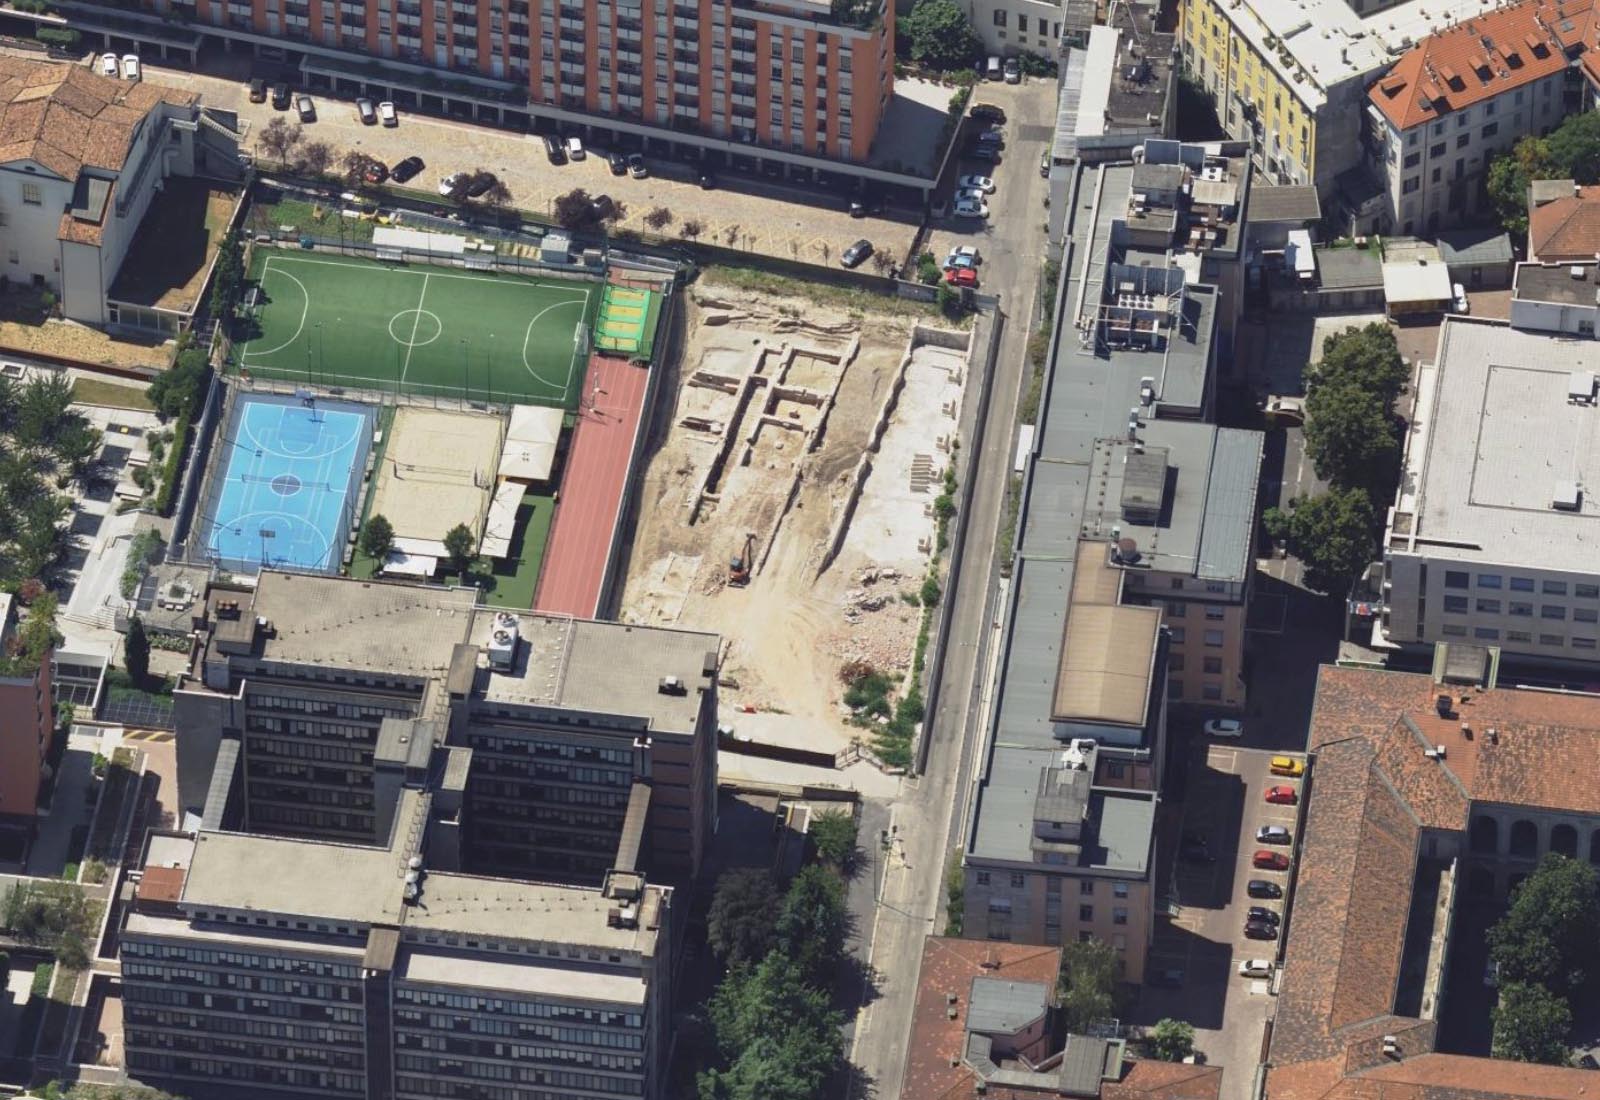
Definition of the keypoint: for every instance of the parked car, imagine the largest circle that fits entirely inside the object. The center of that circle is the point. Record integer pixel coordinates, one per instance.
(1044, 164)
(132, 71)
(963, 255)
(636, 166)
(1013, 71)
(1261, 912)
(554, 149)
(1491, 974)
(1588, 1062)
(858, 209)
(856, 254)
(971, 208)
(966, 194)
(602, 205)
(480, 186)
(1269, 861)
(366, 112)
(985, 152)
(1461, 303)
(306, 109)
(108, 64)
(280, 95)
(406, 169)
(961, 276)
(1224, 727)
(1282, 796)
(447, 185)
(1261, 888)
(1287, 765)
(994, 70)
(1260, 930)
(618, 163)
(1255, 968)
(258, 90)
(988, 112)
(374, 173)
(1272, 834)
(976, 183)
(708, 180)
(387, 114)
(1283, 410)
(575, 148)
(957, 260)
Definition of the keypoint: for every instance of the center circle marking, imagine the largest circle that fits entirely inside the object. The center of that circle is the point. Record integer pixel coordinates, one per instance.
(285, 485)
(415, 328)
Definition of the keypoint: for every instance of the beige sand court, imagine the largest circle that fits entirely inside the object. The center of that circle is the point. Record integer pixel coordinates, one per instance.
(438, 470)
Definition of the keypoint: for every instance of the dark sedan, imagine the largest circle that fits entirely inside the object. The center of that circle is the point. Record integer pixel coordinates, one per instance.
(1260, 930)
(406, 169)
(1261, 888)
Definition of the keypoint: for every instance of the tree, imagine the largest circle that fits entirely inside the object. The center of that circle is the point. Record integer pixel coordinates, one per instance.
(1088, 984)
(812, 924)
(315, 158)
(498, 194)
(1367, 357)
(1575, 148)
(1530, 1025)
(776, 1037)
(44, 408)
(177, 389)
(278, 137)
(136, 651)
(1548, 934)
(357, 166)
(460, 546)
(940, 36)
(692, 228)
(658, 218)
(1333, 536)
(833, 834)
(377, 537)
(575, 210)
(1508, 178)
(227, 276)
(1172, 1040)
(739, 924)
(1351, 437)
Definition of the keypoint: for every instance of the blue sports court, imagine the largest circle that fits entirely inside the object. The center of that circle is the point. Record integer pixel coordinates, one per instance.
(291, 478)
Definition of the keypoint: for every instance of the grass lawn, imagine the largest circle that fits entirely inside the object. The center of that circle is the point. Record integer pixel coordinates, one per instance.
(92, 391)
(417, 328)
(511, 583)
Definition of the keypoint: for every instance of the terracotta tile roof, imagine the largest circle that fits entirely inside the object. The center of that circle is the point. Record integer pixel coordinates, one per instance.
(1480, 58)
(1567, 229)
(948, 967)
(1149, 1080)
(66, 117)
(1373, 791)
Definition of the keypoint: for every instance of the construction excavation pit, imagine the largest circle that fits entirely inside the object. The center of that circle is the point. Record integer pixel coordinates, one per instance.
(792, 501)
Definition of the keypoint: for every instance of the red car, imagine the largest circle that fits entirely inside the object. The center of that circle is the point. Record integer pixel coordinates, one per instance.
(961, 276)
(1282, 796)
(1270, 861)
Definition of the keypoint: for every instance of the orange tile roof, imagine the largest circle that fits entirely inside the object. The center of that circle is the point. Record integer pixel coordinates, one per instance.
(66, 118)
(1567, 229)
(1480, 58)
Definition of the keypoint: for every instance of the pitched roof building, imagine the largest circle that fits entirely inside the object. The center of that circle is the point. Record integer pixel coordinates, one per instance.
(1415, 776)
(1565, 229)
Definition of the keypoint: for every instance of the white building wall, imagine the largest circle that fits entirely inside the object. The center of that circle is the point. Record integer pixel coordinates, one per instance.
(1016, 26)
(29, 236)
(1555, 317)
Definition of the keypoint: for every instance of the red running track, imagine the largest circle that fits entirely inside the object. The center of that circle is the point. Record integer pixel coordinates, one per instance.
(592, 488)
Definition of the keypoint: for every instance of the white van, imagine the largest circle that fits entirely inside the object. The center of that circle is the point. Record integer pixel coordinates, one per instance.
(993, 70)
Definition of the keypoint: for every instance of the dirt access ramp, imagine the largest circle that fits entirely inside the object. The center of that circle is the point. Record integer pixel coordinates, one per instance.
(791, 418)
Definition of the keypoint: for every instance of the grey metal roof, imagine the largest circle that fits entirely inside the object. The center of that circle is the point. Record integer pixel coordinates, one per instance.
(1292, 203)
(1227, 530)
(1163, 177)
(1065, 146)
(1126, 829)
(223, 774)
(1000, 1007)
(1086, 1063)
(1349, 268)
(1475, 246)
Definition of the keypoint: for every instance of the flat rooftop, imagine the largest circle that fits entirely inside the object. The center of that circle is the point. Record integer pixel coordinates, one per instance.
(1120, 824)
(1499, 438)
(512, 909)
(307, 878)
(514, 974)
(1558, 284)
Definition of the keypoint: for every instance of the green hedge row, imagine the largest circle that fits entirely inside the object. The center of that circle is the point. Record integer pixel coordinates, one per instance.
(169, 473)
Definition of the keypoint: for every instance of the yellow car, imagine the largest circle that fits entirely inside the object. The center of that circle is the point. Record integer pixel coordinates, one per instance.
(1287, 765)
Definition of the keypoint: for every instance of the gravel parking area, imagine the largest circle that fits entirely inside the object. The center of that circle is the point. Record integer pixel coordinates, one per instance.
(750, 214)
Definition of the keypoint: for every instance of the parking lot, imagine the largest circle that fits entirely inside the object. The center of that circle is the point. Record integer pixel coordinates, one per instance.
(1201, 932)
(755, 214)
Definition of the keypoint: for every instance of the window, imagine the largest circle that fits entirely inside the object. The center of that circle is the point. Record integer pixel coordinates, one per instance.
(32, 194)
(1552, 639)
(1119, 914)
(1175, 663)
(1454, 579)
(1407, 188)
(1018, 881)
(1524, 610)
(1518, 636)
(1022, 24)
(1489, 607)
(983, 878)
(1552, 611)
(1216, 614)
(1522, 584)
(1488, 108)
(1213, 666)
(1086, 912)
(1119, 889)
(1177, 610)
(1436, 150)
(1177, 582)
(1490, 129)
(1554, 588)
(1438, 128)
(1212, 692)
(1454, 630)
(1086, 888)
(1214, 638)
(1586, 591)
(1489, 580)
(1585, 615)
(1583, 643)
(1177, 635)
(999, 17)
(1486, 633)
(1455, 605)
(1463, 140)
(999, 905)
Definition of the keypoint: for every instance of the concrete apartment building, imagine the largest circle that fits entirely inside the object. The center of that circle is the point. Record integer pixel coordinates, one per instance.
(1489, 540)
(318, 696)
(1131, 502)
(1426, 790)
(1459, 98)
(26, 718)
(794, 81)
(82, 156)
(263, 966)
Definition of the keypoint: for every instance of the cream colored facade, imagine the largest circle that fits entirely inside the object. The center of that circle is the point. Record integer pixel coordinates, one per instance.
(1053, 908)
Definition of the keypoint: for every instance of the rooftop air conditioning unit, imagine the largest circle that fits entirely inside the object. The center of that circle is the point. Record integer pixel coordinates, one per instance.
(1576, 271)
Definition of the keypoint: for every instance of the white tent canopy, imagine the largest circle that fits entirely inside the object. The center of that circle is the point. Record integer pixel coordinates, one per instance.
(502, 519)
(417, 240)
(530, 447)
